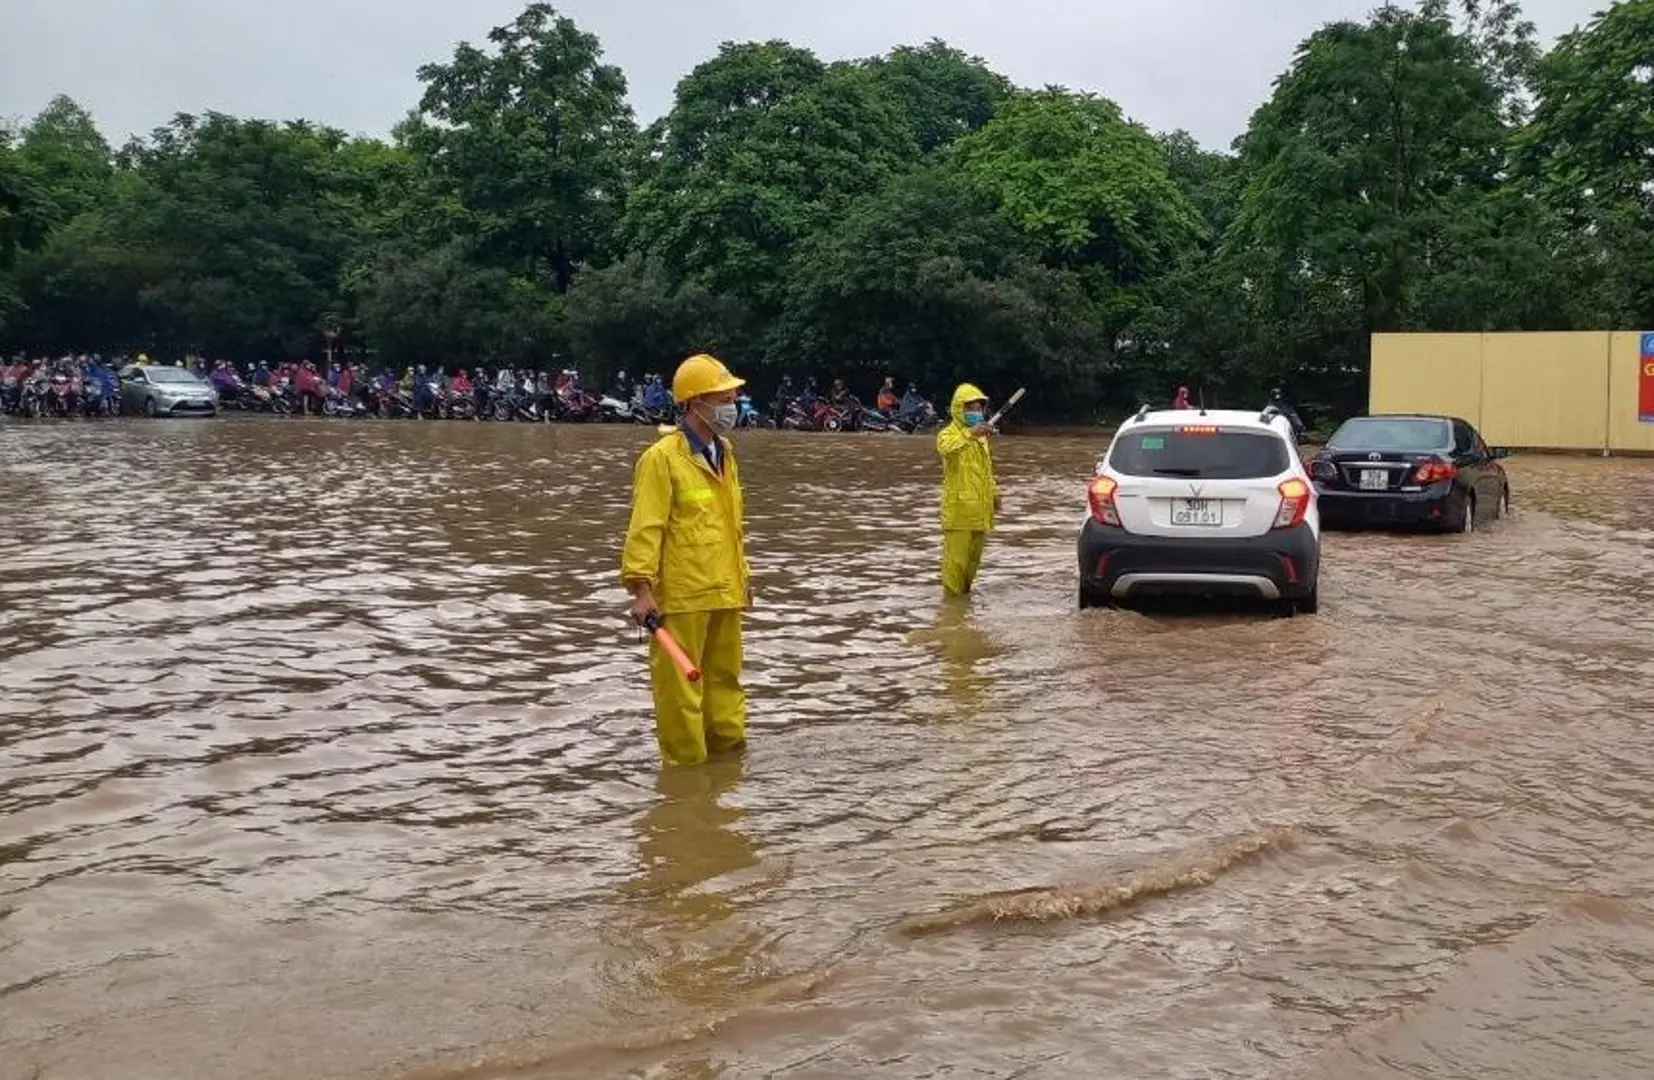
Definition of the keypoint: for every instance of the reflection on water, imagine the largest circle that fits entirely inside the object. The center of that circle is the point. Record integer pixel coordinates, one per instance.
(962, 648)
(687, 843)
(325, 750)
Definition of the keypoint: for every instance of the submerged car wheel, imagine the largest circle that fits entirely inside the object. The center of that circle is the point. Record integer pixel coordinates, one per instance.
(1502, 508)
(1469, 523)
(149, 408)
(1310, 604)
(1089, 599)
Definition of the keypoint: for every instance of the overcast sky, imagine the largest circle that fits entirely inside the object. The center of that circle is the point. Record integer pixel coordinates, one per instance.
(1203, 65)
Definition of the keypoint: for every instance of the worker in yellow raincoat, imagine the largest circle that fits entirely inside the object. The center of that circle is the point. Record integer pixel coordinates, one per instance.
(685, 560)
(970, 495)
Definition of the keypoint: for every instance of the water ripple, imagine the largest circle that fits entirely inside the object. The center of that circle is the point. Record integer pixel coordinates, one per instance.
(305, 721)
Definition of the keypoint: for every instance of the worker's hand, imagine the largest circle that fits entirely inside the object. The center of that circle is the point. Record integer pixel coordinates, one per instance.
(643, 605)
(982, 430)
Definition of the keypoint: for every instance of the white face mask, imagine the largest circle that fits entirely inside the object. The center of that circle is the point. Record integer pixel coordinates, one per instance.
(723, 417)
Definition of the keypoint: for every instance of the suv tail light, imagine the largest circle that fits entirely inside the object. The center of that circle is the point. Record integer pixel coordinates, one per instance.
(1295, 496)
(1101, 495)
(1431, 471)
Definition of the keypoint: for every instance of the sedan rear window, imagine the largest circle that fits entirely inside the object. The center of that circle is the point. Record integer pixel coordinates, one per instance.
(1212, 454)
(1391, 433)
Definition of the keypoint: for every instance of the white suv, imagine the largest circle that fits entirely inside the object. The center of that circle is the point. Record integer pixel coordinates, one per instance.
(1207, 502)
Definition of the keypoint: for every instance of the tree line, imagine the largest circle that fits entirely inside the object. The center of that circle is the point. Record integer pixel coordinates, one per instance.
(1430, 168)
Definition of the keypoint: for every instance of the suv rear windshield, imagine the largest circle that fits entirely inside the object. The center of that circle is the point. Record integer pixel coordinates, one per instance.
(1391, 433)
(1220, 455)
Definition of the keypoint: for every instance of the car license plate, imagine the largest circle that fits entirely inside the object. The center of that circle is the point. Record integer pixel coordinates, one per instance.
(1375, 479)
(1197, 512)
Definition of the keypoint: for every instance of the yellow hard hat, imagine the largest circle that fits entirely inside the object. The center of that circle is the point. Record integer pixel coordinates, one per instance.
(702, 374)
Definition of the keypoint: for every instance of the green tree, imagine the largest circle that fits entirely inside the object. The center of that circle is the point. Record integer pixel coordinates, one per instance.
(942, 93)
(532, 140)
(444, 309)
(69, 156)
(1370, 176)
(924, 280)
(637, 316)
(25, 221)
(217, 234)
(763, 147)
(1505, 43)
(1211, 181)
(1090, 190)
(1587, 152)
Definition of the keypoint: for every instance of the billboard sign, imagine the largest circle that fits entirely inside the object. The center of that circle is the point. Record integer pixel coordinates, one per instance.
(1645, 380)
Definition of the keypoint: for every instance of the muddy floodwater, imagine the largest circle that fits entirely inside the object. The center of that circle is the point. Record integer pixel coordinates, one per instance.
(325, 752)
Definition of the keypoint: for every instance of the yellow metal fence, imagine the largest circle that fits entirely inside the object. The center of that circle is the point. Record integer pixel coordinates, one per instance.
(1539, 391)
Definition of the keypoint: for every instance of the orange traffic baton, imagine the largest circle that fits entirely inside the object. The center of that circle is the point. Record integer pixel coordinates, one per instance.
(669, 645)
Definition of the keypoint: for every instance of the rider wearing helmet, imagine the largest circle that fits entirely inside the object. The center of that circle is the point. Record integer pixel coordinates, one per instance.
(684, 560)
(1278, 402)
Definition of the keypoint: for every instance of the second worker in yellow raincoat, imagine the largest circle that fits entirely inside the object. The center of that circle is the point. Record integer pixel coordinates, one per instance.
(970, 494)
(685, 559)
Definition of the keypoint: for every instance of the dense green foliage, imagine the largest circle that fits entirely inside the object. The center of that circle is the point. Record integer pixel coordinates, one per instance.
(913, 214)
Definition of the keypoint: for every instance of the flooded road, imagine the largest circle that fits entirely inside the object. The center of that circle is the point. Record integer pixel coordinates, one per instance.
(325, 751)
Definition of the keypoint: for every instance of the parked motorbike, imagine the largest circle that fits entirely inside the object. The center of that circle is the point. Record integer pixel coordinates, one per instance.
(459, 407)
(876, 420)
(95, 402)
(62, 396)
(32, 402)
(645, 413)
(337, 403)
(575, 405)
(612, 410)
(823, 415)
(516, 405)
(914, 418)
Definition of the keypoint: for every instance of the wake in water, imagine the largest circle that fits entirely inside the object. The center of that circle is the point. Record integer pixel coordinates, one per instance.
(1072, 901)
(609, 1057)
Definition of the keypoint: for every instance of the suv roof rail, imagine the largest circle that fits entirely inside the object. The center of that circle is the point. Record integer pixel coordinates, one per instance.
(1143, 412)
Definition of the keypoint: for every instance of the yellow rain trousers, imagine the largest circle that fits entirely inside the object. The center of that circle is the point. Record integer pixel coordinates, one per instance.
(687, 539)
(968, 494)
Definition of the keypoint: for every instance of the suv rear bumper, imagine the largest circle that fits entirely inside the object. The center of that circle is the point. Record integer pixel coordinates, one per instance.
(1281, 564)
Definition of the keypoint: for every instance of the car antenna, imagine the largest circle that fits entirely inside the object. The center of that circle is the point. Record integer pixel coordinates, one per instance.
(1142, 412)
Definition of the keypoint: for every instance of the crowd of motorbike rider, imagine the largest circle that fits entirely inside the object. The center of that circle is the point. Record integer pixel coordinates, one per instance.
(86, 385)
(539, 395)
(345, 388)
(72, 385)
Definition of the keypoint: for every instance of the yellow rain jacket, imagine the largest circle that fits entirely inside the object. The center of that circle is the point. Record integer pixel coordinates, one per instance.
(687, 536)
(968, 485)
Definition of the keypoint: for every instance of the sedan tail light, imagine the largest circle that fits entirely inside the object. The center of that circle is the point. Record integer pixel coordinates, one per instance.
(1101, 496)
(1295, 497)
(1431, 471)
